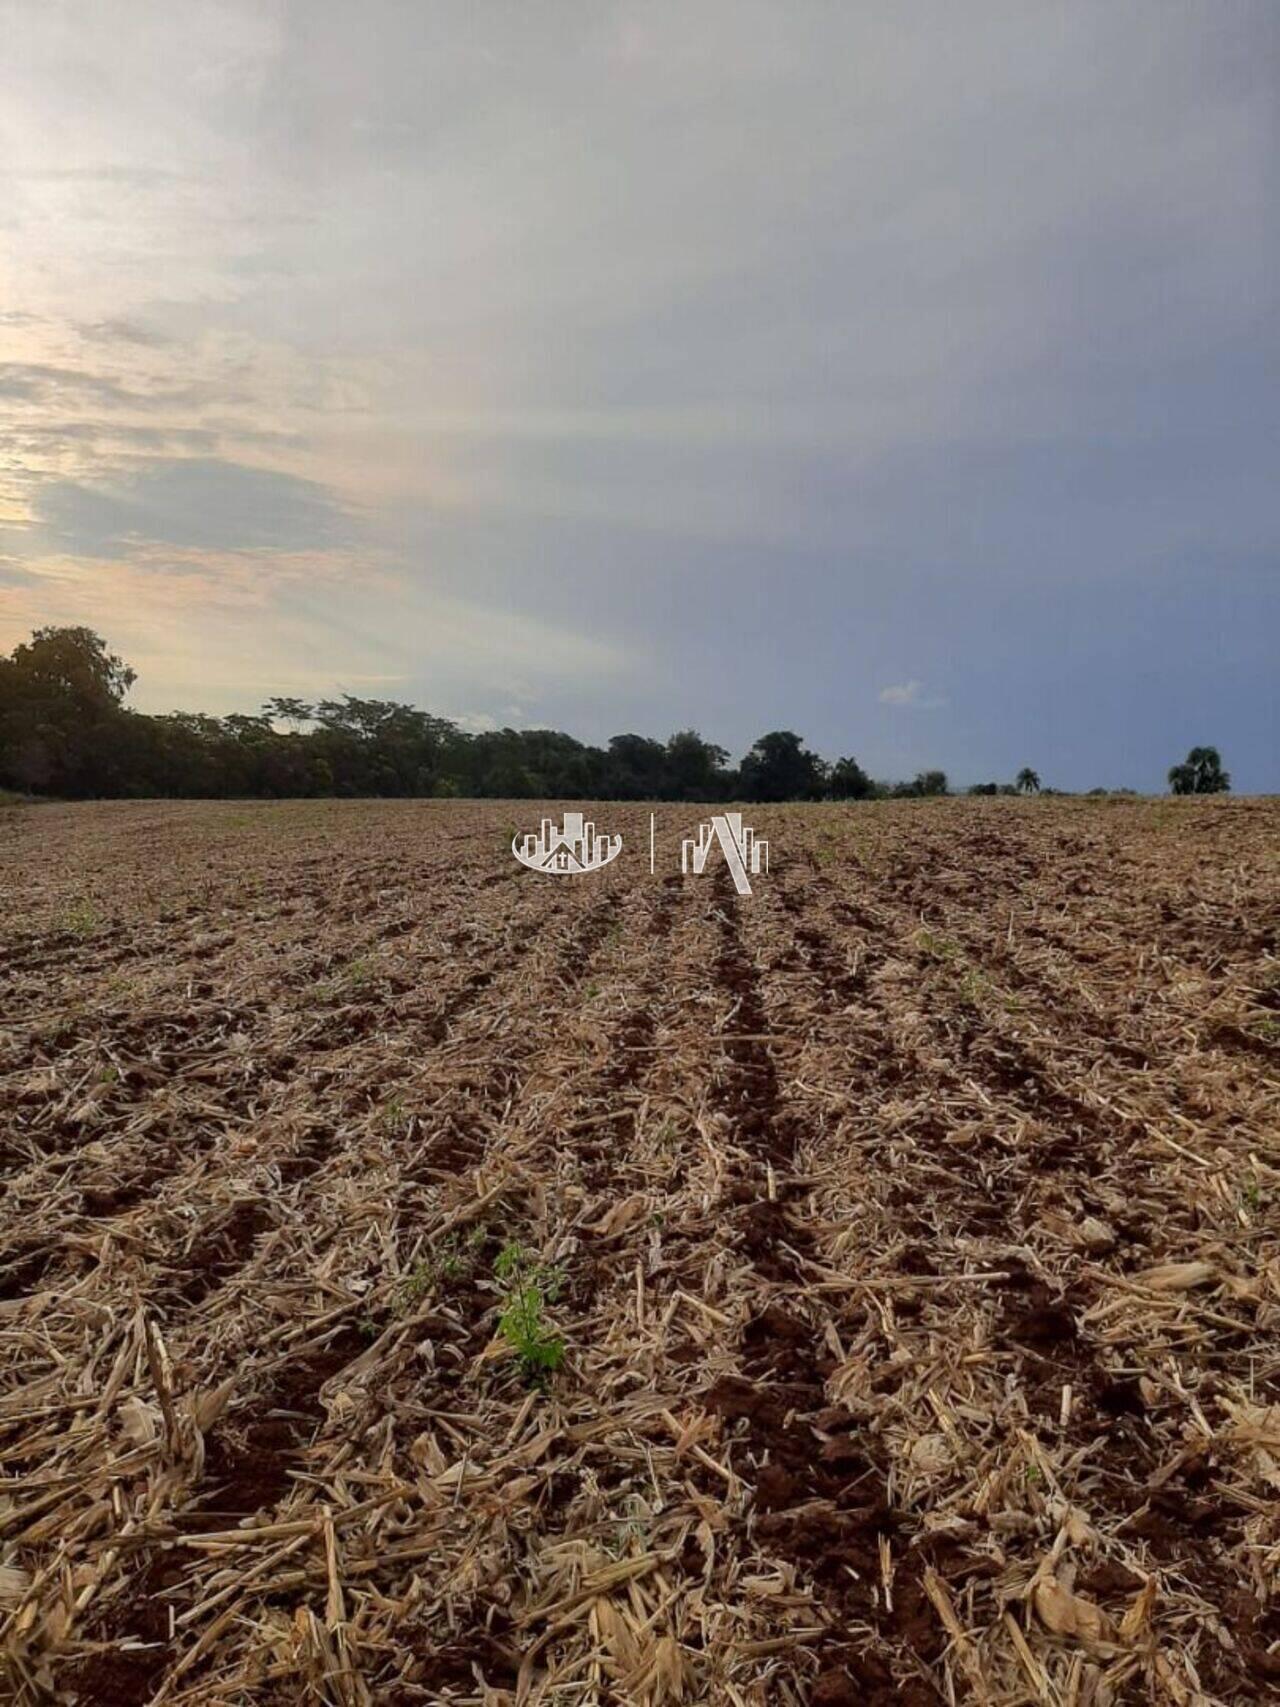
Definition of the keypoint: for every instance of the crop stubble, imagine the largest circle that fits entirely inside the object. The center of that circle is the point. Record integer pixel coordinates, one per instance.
(916, 1218)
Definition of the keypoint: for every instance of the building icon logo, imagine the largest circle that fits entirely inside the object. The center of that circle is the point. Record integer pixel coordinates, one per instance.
(743, 849)
(572, 849)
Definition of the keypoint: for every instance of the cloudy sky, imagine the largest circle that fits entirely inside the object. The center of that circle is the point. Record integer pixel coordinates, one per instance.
(902, 373)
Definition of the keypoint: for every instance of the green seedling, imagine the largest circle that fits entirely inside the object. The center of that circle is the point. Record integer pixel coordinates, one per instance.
(975, 988)
(353, 976)
(833, 847)
(80, 917)
(416, 1284)
(934, 946)
(455, 1260)
(458, 1257)
(528, 1288)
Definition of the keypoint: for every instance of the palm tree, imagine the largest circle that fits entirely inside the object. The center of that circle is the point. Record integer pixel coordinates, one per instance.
(1200, 772)
(1028, 781)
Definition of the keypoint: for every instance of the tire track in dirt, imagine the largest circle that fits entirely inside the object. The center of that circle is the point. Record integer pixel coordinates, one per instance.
(822, 1499)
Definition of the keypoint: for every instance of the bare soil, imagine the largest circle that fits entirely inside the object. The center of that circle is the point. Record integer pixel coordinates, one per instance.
(917, 1221)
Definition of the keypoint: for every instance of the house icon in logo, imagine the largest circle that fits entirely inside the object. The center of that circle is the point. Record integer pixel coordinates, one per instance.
(572, 849)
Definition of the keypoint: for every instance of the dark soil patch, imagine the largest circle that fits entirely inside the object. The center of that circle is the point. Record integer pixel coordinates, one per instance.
(247, 1465)
(123, 1676)
(216, 1255)
(821, 1496)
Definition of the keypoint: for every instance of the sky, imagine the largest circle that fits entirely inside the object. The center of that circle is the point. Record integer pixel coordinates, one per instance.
(902, 373)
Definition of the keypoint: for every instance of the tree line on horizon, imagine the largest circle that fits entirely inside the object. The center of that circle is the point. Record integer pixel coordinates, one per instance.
(66, 732)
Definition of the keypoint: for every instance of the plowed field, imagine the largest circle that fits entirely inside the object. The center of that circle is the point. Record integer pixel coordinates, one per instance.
(911, 1228)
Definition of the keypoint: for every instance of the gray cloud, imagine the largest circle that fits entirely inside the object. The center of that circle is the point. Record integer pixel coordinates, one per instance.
(32, 382)
(13, 574)
(799, 348)
(106, 437)
(200, 504)
(124, 331)
(46, 382)
(911, 694)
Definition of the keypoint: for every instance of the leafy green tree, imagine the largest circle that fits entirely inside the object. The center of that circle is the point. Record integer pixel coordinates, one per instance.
(849, 781)
(1027, 781)
(780, 767)
(1200, 772)
(695, 768)
(252, 731)
(294, 712)
(64, 729)
(635, 768)
(60, 701)
(379, 746)
(74, 663)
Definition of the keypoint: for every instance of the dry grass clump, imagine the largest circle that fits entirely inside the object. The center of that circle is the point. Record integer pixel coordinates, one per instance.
(422, 1281)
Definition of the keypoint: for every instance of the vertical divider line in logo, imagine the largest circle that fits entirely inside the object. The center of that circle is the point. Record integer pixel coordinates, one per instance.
(651, 866)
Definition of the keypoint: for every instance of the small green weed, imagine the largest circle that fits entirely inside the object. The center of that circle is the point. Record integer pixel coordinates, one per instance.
(81, 917)
(528, 1287)
(416, 1284)
(936, 947)
(455, 1260)
(355, 975)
